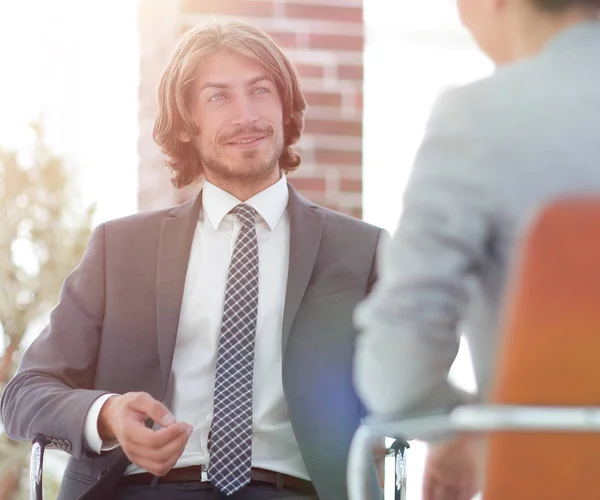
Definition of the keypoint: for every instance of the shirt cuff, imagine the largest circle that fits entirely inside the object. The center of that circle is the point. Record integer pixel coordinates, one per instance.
(91, 434)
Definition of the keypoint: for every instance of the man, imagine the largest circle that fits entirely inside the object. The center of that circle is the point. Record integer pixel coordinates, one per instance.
(494, 152)
(225, 323)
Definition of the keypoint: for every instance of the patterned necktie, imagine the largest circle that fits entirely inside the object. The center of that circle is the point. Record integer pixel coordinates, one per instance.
(231, 431)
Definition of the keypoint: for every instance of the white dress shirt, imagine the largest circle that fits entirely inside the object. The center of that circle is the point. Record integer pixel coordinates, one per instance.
(274, 445)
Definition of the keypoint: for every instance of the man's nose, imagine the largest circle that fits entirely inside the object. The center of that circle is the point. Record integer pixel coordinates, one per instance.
(244, 112)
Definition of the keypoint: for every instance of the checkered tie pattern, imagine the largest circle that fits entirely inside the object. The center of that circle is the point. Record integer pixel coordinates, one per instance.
(231, 431)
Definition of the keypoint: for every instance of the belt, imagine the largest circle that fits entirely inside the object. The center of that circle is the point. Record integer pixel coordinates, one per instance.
(194, 474)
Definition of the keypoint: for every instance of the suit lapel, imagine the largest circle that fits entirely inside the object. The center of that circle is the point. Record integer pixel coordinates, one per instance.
(306, 227)
(176, 235)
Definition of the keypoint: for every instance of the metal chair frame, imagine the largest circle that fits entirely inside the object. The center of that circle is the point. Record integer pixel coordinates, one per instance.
(36, 466)
(40, 443)
(468, 418)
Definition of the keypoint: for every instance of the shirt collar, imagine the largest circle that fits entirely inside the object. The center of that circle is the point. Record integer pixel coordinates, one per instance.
(270, 203)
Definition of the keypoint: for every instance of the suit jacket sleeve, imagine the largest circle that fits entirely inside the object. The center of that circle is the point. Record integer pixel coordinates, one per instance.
(52, 389)
(410, 323)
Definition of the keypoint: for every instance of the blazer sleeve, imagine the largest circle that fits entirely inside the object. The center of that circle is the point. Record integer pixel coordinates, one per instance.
(410, 323)
(51, 391)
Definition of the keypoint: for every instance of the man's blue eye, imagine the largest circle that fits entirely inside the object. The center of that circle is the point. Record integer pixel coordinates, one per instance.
(216, 97)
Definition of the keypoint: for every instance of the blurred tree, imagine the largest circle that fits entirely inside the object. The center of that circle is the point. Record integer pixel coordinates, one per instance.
(43, 234)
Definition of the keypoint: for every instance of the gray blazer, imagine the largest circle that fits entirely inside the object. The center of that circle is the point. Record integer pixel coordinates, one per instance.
(115, 325)
(494, 152)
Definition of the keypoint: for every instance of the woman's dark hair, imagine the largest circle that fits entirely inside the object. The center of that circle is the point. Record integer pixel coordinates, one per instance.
(558, 5)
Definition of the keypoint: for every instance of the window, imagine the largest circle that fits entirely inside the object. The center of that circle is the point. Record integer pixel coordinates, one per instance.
(413, 52)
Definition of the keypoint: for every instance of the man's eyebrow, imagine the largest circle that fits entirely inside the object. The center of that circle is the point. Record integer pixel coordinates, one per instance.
(258, 79)
(223, 85)
(214, 85)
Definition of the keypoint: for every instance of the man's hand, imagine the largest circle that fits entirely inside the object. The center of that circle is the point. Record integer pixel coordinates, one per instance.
(122, 418)
(452, 470)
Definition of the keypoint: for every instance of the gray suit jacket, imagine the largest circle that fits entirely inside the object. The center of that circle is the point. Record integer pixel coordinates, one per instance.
(494, 152)
(115, 325)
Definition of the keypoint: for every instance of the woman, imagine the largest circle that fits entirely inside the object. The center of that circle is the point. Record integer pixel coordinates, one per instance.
(494, 152)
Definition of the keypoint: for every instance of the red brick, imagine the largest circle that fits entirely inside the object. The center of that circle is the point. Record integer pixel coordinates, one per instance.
(307, 183)
(337, 157)
(358, 101)
(336, 42)
(322, 12)
(351, 185)
(310, 70)
(256, 9)
(353, 212)
(252, 8)
(348, 72)
(201, 5)
(334, 127)
(285, 39)
(324, 98)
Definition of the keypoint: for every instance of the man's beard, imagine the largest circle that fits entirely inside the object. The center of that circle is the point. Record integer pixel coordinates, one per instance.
(251, 167)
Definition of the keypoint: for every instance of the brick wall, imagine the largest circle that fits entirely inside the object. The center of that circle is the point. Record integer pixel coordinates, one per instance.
(324, 38)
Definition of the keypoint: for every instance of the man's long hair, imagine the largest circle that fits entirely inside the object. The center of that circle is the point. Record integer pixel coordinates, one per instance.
(175, 96)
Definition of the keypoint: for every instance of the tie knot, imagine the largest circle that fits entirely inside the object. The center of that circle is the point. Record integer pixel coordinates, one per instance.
(245, 214)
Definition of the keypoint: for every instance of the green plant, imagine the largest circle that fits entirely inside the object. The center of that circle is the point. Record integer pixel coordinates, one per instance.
(43, 233)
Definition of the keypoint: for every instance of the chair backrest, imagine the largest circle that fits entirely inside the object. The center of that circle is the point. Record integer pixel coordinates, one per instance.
(550, 356)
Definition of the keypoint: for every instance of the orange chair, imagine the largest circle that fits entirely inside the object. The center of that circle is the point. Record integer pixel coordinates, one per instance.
(544, 408)
(550, 356)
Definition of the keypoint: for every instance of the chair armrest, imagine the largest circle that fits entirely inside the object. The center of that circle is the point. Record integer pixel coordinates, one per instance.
(399, 447)
(468, 418)
(36, 466)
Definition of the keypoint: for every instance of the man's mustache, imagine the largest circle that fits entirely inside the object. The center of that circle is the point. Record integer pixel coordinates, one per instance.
(265, 131)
